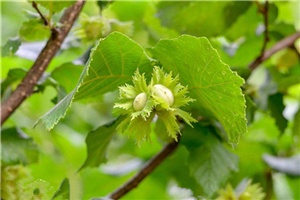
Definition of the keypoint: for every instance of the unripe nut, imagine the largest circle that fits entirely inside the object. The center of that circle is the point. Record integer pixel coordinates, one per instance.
(163, 92)
(140, 101)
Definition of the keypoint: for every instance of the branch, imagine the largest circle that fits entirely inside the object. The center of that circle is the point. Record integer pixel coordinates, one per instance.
(145, 171)
(34, 5)
(284, 43)
(264, 10)
(25, 88)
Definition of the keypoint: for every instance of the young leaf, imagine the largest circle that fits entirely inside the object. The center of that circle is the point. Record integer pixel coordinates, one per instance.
(34, 30)
(11, 46)
(97, 142)
(210, 162)
(17, 147)
(13, 75)
(112, 62)
(211, 82)
(64, 190)
(56, 6)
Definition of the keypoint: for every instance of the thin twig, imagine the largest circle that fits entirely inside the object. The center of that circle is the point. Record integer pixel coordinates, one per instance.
(265, 11)
(34, 5)
(145, 171)
(26, 87)
(282, 44)
(270, 186)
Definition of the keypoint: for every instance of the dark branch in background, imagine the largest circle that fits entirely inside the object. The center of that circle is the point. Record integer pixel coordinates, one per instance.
(34, 5)
(25, 88)
(270, 186)
(282, 44)
(265, 11)
(145, 171)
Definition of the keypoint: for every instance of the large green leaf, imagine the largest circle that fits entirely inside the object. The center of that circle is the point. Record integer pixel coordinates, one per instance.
(200, 18)
(209, 161)
(112, 63)
(97, 142)
(17, 147)
(211, 82)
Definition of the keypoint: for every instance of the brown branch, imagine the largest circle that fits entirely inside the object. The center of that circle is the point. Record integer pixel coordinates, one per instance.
(270, 186)
(265, 11)
(34, 5)
(145, 171)
(284, 43)
(25, 88)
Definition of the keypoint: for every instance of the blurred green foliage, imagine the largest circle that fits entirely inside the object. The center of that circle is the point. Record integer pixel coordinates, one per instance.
(37, 164)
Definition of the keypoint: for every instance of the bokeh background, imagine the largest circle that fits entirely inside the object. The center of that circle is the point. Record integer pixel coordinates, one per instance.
(235, 29)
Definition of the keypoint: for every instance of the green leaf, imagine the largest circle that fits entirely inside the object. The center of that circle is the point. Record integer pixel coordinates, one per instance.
(275, 103)
(67, 70)
(201, 18)
(154, 28)
(263, 130)
(64, 190)
(209, 161)
(246, 24)
(281, 29)
(296, 127)
(233, 10)
(34, 30)
(246, 52)
(11, 47)
(13, 75)
(103, 4)
(112, 62)
(97, 142)
(17, 147)
(56, 6)
(211, 82)
(126, 28)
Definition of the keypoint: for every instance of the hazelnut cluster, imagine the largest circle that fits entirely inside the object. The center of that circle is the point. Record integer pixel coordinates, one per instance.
(141, 102)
